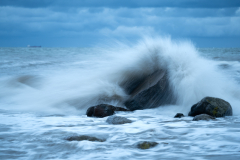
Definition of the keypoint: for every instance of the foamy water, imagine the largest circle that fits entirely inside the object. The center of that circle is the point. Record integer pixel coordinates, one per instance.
(45, 93)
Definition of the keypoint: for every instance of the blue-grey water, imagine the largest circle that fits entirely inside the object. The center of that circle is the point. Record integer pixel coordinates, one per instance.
(45, 92)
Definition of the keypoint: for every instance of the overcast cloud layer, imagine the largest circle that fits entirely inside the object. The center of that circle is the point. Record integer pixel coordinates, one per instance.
(75, 23)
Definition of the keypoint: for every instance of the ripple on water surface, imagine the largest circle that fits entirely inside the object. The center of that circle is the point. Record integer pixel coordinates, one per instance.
(40, 137)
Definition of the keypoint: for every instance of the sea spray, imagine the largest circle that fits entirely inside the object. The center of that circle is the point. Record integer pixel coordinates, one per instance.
(94, 78)
(75, 78)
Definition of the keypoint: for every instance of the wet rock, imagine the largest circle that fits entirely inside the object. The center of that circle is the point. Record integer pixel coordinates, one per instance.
(90, 112)
(120, 109)
(103, 110)
(146, 145)
(148, 91)
(204, 117)
(215, 107)
(83, 137)
(179, 115)
(118, 120)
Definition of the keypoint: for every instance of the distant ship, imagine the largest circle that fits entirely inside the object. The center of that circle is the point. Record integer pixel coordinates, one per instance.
(34, 46)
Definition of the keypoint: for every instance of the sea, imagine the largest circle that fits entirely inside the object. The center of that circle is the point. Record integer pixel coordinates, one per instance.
(45, 92)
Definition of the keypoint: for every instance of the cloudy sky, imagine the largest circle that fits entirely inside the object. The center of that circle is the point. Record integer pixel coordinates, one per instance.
(86, 23)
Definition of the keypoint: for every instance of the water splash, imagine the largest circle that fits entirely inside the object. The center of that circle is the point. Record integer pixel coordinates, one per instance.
(96, 78)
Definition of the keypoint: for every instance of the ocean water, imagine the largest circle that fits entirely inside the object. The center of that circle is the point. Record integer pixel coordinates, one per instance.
(45, 92)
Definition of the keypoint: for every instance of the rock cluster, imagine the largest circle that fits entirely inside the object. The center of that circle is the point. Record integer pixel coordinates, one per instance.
(207, 109)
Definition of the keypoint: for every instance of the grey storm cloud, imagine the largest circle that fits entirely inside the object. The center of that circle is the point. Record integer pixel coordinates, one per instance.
(123, 3)
(169, 20)
(61, 23)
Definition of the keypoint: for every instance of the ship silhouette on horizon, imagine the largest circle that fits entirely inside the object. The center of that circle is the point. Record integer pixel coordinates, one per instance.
(34, 46)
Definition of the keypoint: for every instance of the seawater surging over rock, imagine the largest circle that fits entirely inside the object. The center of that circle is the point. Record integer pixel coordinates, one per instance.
(204, 117)
(145, 91)
(148, 91)
(84, 138)
(158, 72)
(146, 145)
(118, 120)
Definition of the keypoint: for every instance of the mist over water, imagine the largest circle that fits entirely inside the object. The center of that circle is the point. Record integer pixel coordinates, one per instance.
(62, 80)
(45, 93)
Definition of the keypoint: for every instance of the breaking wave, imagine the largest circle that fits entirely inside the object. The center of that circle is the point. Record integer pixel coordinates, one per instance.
(98, 78)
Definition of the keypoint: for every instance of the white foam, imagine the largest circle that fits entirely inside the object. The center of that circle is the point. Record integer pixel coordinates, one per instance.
(97, 76)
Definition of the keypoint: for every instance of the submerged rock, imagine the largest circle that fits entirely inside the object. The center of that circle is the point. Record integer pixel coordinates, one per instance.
(179, 115)
(146, 145)
(83, 137)
(215, 107)
(118, 120)
(103, 110)
(148, 91)
(204, 117)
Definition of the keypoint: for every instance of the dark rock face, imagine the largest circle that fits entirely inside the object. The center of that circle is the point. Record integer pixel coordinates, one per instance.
(179, 115)
(146, 145)
(118, 120)
(90, 112)
(204, 117)
(149, 91)
(215, 107)
(103, 110)
(83, 137)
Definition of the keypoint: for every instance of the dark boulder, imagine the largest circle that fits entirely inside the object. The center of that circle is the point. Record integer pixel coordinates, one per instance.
(146, 145)
(215, 107)
(103, 110)
(118, 120)
(148, 91)
(179, 115)
(83, 137)
(204, 117)
(90, 111)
